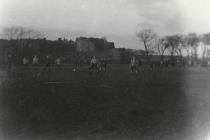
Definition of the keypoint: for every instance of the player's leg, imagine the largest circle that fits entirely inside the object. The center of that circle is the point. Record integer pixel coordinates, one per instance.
(136, 70)
(58, 68)
(90, 68)
(131, 69)
(98, 68)
(105, 67)
(9, 67)
(95, 67)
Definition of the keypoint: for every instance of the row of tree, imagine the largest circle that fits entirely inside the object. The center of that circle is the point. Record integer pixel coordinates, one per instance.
(26, 41)
(179, 45)
(20, 42)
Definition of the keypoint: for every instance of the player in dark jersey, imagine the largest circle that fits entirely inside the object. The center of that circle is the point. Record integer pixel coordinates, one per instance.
(10, 60)
(103, 64)
(93, 65)
(133, 65)
(48, 63)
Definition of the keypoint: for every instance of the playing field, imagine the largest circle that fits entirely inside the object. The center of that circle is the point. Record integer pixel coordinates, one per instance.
(160, 104)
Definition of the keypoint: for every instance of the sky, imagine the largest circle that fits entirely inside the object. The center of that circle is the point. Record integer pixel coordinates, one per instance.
(117, 20)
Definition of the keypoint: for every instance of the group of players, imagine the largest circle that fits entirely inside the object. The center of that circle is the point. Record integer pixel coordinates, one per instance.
(95, 65)
(35, 61)
(101, 65)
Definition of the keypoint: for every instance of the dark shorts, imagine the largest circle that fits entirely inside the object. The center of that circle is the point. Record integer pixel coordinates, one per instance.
(93, 66)
(133, 67)
(48, 64)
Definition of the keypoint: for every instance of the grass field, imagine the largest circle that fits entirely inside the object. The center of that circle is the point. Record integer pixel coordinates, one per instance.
(165, 103)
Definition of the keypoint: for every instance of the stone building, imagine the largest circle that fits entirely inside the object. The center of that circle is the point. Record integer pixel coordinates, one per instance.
(84, 44)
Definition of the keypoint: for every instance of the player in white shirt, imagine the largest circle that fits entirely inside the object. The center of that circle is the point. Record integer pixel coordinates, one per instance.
(35, 60)
(25, 61)
(58, 63)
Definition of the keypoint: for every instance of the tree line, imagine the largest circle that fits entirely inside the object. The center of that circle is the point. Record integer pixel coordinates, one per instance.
(26, 41)
(178, 44)
(22, 42)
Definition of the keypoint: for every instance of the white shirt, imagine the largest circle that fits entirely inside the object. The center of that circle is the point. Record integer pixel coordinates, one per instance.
(35, 60)
(58, 61)
(25, 61)
(93, 61)
(133, 62)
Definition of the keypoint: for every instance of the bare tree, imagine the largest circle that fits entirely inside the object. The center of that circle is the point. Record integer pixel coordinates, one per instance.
(19, 32)
(160, 46)
(173, 43)
(206, 41)
(147, 36)
(181, 45)
(185, 45)
(22, 37)
(10, 33)
(32, 34)
(192, 42)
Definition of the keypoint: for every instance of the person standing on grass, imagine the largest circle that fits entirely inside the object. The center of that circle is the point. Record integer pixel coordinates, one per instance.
(133, 65)
(76, 64)
(93, 65)
(9, 66)
(25, 61)
(58, 64)
(35, 60)
(48, 63)
(47, 67)
(103, 64)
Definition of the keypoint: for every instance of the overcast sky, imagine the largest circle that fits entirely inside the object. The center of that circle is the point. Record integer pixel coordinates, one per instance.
(117, 20)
